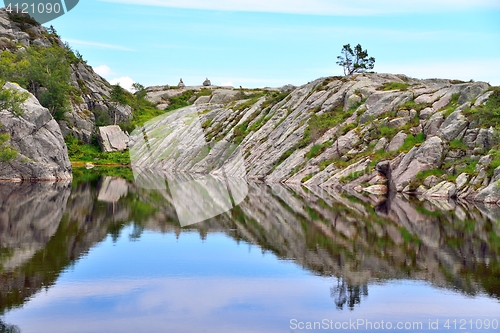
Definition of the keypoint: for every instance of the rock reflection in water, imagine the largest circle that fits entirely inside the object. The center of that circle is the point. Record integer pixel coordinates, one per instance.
(196, 197)
(358, 240)
(205, 179)
(29, 216)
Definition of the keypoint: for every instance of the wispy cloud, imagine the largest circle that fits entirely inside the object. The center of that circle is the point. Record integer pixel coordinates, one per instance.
(321, 7)
(125, 82)
(103, 70)
(96, 44)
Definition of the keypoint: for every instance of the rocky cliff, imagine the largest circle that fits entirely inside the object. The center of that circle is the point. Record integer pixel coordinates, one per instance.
(88, 94)
(370, 133)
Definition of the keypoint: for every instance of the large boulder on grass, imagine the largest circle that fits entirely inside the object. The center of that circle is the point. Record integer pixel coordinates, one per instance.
(112, 138)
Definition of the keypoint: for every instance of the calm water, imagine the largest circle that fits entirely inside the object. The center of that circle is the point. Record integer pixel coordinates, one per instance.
(108, 255)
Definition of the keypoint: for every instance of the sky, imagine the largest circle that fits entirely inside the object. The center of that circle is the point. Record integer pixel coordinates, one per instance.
(270, 43)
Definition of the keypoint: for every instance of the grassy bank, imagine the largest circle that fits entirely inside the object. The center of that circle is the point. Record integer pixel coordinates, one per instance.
(80, 154)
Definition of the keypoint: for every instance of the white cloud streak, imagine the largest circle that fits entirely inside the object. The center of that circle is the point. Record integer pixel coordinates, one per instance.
(103, 70)
(96, 44)
(322, 7)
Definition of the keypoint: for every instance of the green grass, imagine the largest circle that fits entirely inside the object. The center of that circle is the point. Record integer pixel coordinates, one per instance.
(283, 157)
(386, 131)
(274, 99)
(495, 163)
(415, 106)
(207, 123)
(394, 86)
(458, 144)
(421, 176)
(84, 175)
(180, 101)
(412, 141)
(408, 237)
(353, 176)
(247, 104)
(318, 125)
(317, 149)
(83, 153)
(141, 116)
(447, 110)
(204, 92)
(306, 178)
(488, 114)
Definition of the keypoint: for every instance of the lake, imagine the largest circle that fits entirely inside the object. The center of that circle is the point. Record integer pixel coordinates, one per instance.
(105, 254)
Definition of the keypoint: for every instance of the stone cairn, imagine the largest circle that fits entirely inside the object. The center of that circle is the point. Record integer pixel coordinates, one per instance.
(181, 84)
(207, 83)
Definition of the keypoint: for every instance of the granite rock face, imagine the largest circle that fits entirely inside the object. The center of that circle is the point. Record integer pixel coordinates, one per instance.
(331, 131)
(112, 138)
(41, 151)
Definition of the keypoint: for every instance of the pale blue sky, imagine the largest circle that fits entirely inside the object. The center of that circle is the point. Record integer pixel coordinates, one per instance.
(257, 43)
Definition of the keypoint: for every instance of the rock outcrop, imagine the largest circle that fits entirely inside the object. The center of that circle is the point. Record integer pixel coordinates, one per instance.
(36, 137)
(333, 131)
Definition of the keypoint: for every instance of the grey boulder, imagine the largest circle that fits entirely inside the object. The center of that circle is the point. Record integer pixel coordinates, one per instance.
(36, 136)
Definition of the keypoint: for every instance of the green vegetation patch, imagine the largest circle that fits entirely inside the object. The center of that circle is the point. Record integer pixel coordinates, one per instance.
(353, 176)
(82, 153)
(7, 153)
(84, 175)
(394, 86)
(447, 110)
(43, 67)
(458, 144)
(318, 149)
(320, 124)
(11, 100)
(415, 106)
(180, 101)
(488, 114)
(412, 141)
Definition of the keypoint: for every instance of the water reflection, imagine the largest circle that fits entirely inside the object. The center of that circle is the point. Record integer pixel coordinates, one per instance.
(345, 295)
(205, 179)
(7, 328)
(358, 240)
(196, 197)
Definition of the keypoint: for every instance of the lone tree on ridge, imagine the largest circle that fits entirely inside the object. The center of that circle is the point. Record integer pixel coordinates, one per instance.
(355, 61)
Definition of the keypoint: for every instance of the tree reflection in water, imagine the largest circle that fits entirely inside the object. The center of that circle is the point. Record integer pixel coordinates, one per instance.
(343, 294)
(7, 328)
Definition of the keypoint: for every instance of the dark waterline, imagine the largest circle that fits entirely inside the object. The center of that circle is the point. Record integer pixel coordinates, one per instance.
(110, 256)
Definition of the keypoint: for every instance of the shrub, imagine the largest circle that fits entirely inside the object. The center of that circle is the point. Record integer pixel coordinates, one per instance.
(47, 67)
(11, 100)
(6, 152)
